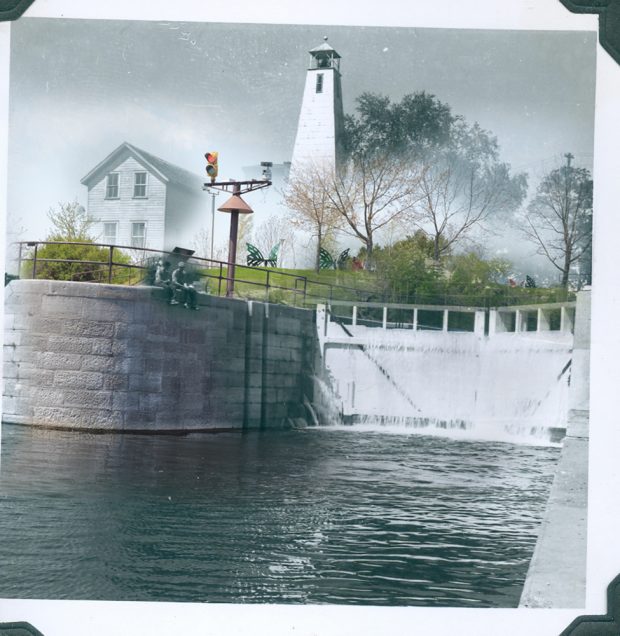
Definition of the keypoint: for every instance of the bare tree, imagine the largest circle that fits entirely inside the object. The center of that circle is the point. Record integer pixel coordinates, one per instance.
(70, 222)
(275, 230)
(457, 196)
(307, 199)
(201, 243)
(371, 192)
(463, 186)
(244, 235)
(202, 246)
(558, 219)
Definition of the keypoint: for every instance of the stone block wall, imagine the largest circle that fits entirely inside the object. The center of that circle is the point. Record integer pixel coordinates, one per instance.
(105, 357)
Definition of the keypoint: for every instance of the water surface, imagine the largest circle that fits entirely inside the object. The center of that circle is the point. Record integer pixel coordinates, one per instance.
(315, 516)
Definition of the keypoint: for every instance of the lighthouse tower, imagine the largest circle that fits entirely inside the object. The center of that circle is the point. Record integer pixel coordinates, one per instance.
(321, 119)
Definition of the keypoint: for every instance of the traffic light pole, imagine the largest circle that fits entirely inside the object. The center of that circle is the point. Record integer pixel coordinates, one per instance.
(237, 188)
(232, 246)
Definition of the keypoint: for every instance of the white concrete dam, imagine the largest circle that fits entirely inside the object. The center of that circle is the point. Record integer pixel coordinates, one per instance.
(500, 385)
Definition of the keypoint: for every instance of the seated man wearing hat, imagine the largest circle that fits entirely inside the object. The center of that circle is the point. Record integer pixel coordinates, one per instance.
(181, 282)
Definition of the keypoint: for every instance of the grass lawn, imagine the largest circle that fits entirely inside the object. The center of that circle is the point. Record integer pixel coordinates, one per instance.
(288, 285)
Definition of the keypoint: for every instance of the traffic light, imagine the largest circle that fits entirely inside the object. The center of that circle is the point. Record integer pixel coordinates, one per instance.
(211, 158)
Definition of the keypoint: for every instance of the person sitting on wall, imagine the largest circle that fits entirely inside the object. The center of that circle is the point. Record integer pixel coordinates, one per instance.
(163, 280)
(182, 283)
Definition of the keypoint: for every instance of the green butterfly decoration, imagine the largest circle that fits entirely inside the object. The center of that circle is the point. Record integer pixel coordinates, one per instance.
(326, 260)
(255, 257)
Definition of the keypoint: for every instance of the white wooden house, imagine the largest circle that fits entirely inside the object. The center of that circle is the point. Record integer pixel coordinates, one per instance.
(139, 200)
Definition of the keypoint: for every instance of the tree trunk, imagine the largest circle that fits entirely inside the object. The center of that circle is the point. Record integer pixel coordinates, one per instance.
(436, 248)
(317, 265)
(368, 262)
(566, 269)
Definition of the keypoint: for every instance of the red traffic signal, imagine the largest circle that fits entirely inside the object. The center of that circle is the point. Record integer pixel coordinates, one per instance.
(211, 158)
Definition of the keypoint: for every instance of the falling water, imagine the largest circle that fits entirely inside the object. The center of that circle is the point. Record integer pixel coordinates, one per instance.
(506, 388)
(327, 404)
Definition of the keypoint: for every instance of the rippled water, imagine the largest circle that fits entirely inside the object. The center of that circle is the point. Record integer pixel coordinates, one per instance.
(314, 516)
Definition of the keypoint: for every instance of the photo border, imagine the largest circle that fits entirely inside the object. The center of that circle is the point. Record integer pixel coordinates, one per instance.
(609, 37)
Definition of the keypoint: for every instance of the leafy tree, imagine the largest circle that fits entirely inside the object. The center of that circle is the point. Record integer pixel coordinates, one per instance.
(470, 272)
(74, 257)
(408, 273)
(558, 220)
(416, 124)
(405, 268)
(411, 161)
(461, 181)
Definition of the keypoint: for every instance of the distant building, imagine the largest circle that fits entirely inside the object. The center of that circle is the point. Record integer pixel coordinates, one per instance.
(321, 118)
(139, 200)
(279, 172)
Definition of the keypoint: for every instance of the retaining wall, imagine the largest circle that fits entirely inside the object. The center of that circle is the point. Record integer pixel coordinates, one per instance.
(106, 357)
(557, 574)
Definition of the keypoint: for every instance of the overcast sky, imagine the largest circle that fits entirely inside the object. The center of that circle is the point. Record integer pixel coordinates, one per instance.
(79, 88)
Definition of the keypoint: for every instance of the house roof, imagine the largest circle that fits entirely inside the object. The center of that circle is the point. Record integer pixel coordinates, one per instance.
(167, 172)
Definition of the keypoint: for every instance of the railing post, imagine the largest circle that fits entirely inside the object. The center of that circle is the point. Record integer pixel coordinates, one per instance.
(445, 320)
(19, 260)
(110, 261)
(384, 321)
(34, 262)
(354, 316)
(415, 319)
(219, 282)
(267, 287)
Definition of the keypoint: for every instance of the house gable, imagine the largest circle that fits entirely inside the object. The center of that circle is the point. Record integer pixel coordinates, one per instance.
(138, 199)
(121, 219)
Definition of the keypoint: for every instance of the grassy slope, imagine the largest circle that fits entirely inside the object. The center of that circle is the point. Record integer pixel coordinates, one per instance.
(287, 286)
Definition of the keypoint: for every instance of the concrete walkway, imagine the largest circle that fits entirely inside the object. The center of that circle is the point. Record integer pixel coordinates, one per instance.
(557, 574)
(556, 577)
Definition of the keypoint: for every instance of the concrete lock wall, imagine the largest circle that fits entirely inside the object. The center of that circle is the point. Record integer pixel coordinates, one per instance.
(557, 574)
(105, 357)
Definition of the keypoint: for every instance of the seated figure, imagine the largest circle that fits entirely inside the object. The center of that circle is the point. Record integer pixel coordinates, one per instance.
(163, 280)
(181, 283)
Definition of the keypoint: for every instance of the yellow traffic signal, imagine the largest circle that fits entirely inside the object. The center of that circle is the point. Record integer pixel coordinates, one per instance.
(211, 158)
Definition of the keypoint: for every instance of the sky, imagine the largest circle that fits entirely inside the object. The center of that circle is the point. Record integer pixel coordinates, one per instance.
(79, 88)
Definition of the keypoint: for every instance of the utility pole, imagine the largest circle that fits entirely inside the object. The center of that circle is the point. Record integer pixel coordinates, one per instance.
(213, 194)
(566, 219)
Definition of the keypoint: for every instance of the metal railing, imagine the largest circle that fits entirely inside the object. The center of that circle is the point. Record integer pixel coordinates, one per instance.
(129, 265)
(123, 264)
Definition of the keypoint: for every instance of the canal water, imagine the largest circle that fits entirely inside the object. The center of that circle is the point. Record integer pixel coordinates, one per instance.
(337, 515)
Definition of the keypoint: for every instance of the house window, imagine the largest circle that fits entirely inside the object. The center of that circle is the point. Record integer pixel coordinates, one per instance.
(139, 184)
(138, 234)
(109, 233)
(111, 189)
(319, 83)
